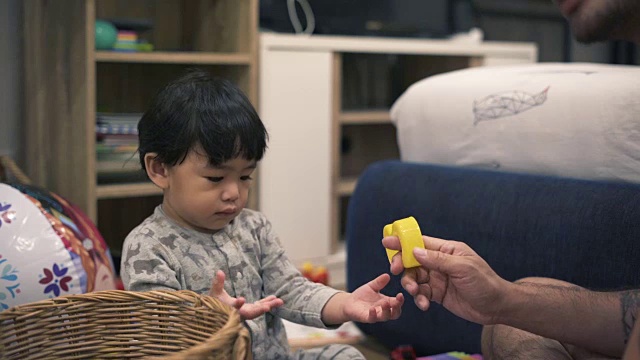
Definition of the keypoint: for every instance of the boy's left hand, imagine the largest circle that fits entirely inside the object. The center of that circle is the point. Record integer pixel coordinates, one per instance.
(247, 311)
(367, 305)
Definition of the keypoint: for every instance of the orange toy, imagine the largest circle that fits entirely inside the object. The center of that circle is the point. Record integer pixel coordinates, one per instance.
(318, 274)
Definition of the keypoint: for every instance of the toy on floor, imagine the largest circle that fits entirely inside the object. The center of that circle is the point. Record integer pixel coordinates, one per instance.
(403, 352)
(454, 355)
(406, 352)
(49, 248)
(318, 274)
(408, 231)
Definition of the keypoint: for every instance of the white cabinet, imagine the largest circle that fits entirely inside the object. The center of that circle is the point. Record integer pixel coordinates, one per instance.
(325, 102)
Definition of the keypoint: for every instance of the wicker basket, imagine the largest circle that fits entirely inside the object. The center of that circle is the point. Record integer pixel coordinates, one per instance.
(118, 324)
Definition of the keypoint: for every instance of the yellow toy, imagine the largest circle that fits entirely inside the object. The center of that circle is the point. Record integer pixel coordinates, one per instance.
(408, 231)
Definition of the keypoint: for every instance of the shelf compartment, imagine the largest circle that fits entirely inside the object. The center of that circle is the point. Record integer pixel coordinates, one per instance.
(363, 145)
(354, 117)
(374, 81)
(346, 186)
(117, 217)
(119, 191)
(125, 87)
(177, 57)
(187, 25)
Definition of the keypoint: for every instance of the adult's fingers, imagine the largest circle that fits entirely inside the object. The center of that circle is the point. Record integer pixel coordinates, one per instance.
(437, 260)
(448, 246)
(422, 302)
(413, 278)
(391, 242)
(431, 243)
(396, 264)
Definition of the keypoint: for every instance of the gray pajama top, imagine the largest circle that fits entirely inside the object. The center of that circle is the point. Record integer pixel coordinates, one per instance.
(159, 254)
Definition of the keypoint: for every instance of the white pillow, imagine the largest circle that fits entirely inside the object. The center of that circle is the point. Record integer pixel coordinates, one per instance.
(575, 120)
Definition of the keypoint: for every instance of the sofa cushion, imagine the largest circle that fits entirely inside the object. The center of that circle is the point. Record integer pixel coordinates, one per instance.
(574, 120)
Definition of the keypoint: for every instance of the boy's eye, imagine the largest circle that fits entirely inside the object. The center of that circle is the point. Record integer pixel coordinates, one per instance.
(246, 178)
(214, 179)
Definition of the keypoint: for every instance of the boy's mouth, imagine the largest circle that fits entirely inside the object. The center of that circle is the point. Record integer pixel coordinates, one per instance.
(229, 211)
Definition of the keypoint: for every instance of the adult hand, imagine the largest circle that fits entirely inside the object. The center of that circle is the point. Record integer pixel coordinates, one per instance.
(451, 274)
(367, 305)
(247, 311)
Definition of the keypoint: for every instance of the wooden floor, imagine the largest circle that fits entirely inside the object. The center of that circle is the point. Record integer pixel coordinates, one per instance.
(372, 350)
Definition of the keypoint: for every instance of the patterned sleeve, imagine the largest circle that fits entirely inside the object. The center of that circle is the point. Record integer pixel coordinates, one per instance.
(147, 265)
(303, 299)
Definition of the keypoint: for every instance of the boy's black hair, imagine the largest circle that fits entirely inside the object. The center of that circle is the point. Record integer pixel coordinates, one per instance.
(198, 109)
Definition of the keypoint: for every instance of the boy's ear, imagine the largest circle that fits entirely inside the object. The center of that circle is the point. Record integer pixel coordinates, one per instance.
(156, 170)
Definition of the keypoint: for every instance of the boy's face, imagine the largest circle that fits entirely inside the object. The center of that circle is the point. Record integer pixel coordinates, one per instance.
(206, 198)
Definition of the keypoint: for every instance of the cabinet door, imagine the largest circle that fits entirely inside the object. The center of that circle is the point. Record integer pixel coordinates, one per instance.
(295, 175)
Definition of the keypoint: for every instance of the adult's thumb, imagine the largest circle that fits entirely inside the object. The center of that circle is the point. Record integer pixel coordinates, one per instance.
(435, 260)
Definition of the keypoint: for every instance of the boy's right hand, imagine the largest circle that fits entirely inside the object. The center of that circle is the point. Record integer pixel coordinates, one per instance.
(247, 311)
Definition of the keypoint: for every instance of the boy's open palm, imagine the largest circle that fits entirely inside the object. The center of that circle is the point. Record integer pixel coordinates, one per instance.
(247, 311)
(367, 305)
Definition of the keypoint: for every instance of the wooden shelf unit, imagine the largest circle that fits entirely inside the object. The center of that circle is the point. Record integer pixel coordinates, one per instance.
(345, 186)
(166, 57)
(117, 191)
(67, 80)
(364, 117)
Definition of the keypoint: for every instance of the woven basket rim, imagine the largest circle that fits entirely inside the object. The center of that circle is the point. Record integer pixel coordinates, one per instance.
(123, 296)
(232, 328)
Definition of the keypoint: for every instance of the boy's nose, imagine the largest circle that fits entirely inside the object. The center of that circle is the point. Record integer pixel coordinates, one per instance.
(231, 192)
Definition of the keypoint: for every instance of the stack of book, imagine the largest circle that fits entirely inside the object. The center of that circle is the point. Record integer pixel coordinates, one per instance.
(128, 41)
(116, 145)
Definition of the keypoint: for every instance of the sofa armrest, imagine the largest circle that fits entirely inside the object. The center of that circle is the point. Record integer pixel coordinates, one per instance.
(584, 232)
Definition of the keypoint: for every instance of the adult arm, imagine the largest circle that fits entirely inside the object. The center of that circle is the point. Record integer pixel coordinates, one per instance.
(633, 345)
(453, 275)
(598, 321)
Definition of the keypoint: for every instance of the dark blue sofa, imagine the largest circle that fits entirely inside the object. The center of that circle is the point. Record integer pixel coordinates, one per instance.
(580, 231)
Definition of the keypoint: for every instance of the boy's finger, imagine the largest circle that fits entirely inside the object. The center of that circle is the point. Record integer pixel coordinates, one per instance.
(268, 298)
(380, 282)
(386, 310)
(217, 287)
(373, 314)
(238, 303)
(276, 303)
